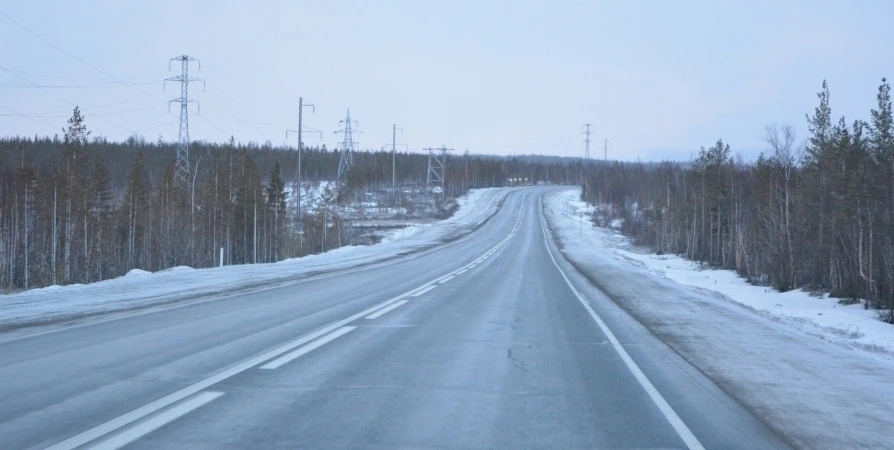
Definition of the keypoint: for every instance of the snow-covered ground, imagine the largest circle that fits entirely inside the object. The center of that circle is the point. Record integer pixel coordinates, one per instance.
(820, 373)
(467, 206)
(850, 325)
(140, 288)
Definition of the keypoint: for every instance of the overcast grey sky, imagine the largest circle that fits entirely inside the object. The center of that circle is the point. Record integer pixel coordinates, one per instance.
(657, 78)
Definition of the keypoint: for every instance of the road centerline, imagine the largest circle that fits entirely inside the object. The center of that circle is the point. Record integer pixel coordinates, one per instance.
(166, 417)
(424, 291)
(281, 361)
(386, 310)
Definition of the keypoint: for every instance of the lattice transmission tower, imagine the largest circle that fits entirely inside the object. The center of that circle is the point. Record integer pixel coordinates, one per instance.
(586, 140)
(183, 137)
(437, 167)
(347, 147)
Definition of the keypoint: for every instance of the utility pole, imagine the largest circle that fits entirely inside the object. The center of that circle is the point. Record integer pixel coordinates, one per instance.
(394, 160)
(437, 166)
(347, 147)
(301, 106)
(466, 174)
(606, 149)
(183, 137)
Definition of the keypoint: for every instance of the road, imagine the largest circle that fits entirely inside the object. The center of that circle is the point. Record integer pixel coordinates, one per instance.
(491, 341)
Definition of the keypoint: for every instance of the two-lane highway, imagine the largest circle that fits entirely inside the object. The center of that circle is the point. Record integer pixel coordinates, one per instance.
(492, 341)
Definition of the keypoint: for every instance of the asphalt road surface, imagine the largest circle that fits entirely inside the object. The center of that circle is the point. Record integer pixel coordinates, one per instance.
(491, 341)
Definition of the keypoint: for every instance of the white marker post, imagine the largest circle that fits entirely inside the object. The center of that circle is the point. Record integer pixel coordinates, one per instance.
(221, 257)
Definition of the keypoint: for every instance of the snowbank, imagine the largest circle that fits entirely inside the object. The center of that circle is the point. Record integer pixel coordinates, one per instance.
(819, 373)
(139, 288)
(849, 325)
(469, 206)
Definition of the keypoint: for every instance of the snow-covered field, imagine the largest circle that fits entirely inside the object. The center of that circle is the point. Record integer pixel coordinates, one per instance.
(820, 373)
(140, 288)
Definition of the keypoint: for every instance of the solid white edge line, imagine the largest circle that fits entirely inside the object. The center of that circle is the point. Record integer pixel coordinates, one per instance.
(166, 417)
(424, 291)
(447, 279)
(682, 430)
(279, 362)
(384, 311)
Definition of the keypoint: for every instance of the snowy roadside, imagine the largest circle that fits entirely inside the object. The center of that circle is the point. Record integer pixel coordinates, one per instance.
(818, 372)
(140, 288)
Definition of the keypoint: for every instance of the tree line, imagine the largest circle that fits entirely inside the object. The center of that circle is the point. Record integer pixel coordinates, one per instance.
(818, 216)
(76, 209)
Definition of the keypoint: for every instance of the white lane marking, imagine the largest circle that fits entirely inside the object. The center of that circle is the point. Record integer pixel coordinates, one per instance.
(447, 279)
(384, 311)
(157, 422)
(424, 291)
(462, 271)
(682, 430)
(139, 413)
(145, 410)
(277, 363)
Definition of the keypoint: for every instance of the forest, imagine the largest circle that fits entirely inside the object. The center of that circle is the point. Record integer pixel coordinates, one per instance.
(815, 215)
(77, 209)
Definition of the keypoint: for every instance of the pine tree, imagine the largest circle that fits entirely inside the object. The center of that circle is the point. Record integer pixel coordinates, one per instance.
(73, 145)
(276, 202)
(101, 222)
(134, 211)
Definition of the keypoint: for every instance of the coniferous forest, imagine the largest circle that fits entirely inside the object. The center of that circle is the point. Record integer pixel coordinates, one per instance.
(815, 214)
(76, 209)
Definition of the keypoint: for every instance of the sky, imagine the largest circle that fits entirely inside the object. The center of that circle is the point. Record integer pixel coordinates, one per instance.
(658, 79)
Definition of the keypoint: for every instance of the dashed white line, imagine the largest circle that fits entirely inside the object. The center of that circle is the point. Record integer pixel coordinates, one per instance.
(132, 434)
(424, 291)
(463, 271)
(447, 279)
(384, 311)
(279, 362)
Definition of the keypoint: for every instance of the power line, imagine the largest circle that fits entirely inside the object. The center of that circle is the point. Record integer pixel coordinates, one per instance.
(107, 85)
(204, 118)
(238, 119)
(60, 98)
(154, 127)
(135, 121)
(35, 74)
(114, 113)
(64, 111)
(234, 101)
(16, 113)
(72, 56)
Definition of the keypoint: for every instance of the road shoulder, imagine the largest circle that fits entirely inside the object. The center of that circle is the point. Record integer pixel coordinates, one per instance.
(808, 389)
